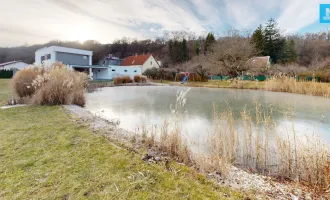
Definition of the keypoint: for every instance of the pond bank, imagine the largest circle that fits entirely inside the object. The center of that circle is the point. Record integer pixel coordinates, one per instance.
(59, 157)
(278, 84)
(235, 178)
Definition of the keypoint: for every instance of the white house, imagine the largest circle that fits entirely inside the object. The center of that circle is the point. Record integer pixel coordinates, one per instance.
(110, 72)
(13, 65)
(81, 60)
(68, 56)
(144, 62)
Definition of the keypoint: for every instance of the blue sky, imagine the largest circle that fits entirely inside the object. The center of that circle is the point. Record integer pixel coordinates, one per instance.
(38, 21)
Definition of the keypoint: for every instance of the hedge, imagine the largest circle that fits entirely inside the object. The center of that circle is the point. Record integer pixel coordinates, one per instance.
(6, 73)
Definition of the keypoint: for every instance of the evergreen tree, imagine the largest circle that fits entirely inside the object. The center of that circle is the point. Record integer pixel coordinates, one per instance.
(210, 39)
(273, 44)
(292, 52)
(257, 40)
(184, 51)
(197, 49)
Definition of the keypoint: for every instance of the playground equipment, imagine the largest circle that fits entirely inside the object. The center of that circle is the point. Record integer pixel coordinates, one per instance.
(186, 76)
(184, 79)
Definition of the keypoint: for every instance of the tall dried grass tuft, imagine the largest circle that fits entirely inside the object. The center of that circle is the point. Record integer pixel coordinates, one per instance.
(292, 85)
(252, 141)
(23, 79)
(54, 85)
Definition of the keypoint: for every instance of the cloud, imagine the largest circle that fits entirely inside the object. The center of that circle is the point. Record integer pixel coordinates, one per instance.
(106, 20)
(297, 14)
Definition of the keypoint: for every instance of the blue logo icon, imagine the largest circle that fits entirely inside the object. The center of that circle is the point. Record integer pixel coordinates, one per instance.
(324, 13)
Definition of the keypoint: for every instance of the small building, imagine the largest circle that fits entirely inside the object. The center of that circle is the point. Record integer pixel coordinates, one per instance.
(13, 65)
(144, 62)
(259, 64)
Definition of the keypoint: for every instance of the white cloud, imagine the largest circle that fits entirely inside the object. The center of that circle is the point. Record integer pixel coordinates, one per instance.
(297, 14)
(36, 21)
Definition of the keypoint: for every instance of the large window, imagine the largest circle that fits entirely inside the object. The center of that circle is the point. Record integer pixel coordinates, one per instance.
(48, 56)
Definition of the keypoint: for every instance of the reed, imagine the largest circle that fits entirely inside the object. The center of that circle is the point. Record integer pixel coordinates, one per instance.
(250, 141)
(292, 85)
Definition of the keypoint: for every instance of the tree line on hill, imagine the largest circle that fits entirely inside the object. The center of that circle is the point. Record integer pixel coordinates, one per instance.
(218, 55)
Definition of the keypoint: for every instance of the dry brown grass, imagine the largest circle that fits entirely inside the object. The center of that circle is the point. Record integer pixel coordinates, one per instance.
(291, 85)
(253, 141)
(55, 85)
(22, 81)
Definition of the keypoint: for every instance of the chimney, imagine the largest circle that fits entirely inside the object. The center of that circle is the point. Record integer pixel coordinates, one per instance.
(135, 54)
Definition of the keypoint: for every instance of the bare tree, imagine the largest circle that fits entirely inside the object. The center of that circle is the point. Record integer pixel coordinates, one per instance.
(230, 55)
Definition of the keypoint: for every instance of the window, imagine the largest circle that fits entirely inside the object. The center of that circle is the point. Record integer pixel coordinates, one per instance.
(48, 56)
(113, 70)
(84, 57)
(42, 58)
(125, 70)
(99, 70)
(150, 62)
(134, 70)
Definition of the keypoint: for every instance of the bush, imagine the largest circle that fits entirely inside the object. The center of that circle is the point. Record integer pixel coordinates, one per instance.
(60, 85)
(127, 79)
(137, 78)
(6, 73)
(118, 80)
(23, 79)
(143, 79)
(55, 85)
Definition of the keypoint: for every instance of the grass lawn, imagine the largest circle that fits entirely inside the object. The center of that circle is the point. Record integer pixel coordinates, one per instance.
(5, 91)
(45, 155)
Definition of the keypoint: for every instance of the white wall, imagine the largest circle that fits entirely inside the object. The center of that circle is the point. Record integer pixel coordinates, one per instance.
(18, 65)
(107, 74)
(52, 49)
(150, 63)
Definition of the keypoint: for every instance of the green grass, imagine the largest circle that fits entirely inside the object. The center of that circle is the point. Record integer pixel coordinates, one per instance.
(6, 91)
(45, 155)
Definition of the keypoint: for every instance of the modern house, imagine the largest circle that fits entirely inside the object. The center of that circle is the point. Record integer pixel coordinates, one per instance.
(144, 62)
(81, 60)
(13, 65)
(68, 56)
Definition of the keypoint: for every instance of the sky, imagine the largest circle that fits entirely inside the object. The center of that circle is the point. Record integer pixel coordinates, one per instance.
(26, 22)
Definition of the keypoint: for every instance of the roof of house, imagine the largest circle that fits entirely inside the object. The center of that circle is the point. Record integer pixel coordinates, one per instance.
(9, 63)
(135, 60)
(65, 50)
(261, 61)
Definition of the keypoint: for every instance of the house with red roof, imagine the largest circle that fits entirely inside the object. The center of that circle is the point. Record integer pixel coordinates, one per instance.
(143, 61)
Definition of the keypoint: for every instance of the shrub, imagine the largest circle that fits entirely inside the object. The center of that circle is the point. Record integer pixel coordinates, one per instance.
(79, 98)
(137, 78)
(118, 80)
(60, 85)
(23, 79)
(143, 79)
(127, 79)
(54, 85)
